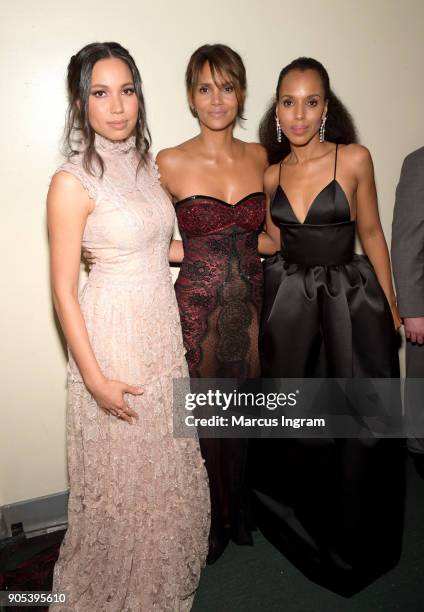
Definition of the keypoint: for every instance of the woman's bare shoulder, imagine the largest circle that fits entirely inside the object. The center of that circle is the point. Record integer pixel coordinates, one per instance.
(355, 153)
(256, 151)
(271, 178)
(173, 156)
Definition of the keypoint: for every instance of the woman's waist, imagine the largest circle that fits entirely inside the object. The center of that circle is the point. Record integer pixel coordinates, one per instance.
(214, 271)
(121, 277)
(223, 234)
(314, 245)
(221, 247)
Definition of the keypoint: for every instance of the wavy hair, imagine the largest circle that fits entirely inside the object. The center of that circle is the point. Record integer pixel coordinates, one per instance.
(339, 127)
(77, 128)
(224, 62)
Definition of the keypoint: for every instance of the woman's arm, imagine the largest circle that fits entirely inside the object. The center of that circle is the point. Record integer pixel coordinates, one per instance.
(369, 226)
(269, 240)
(166, 165)
(176, 251)
(68, 207)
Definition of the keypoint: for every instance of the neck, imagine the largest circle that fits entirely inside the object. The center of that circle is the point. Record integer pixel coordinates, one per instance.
(217, 143)
(314, 148)
(106, 145)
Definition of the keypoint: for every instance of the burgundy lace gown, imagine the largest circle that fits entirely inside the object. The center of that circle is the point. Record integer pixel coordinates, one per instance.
(219, 294)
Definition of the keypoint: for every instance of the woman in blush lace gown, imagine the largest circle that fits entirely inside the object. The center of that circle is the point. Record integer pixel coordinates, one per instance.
(216, 182)
(139, 503)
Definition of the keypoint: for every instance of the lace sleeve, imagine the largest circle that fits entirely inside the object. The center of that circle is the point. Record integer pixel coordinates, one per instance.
(74, 167)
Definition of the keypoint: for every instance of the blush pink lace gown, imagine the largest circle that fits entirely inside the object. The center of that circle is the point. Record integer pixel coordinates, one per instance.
(139, 500)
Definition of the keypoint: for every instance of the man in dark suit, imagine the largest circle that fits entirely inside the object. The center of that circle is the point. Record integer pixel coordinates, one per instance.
(408, 270)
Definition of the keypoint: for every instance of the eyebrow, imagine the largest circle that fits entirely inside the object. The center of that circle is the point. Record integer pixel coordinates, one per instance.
(213, 82)
(107, 86)
(293, 96)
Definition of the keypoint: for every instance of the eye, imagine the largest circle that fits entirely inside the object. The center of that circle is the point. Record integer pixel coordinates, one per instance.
(287, 102)
(313, 103)
(203, 89)
(228, 88)
(99, 93)
(129, 91)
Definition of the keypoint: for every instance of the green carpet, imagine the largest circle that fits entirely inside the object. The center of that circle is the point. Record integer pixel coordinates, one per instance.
(259, 579)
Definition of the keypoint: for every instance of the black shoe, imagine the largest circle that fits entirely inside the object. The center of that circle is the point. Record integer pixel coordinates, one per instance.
(217, 544)
(418, 459)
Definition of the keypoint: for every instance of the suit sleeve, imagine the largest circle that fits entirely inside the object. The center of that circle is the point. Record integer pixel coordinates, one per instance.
(408, 237)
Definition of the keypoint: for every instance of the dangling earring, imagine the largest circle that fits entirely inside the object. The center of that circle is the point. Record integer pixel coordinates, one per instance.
(277, 121)
(322, 129)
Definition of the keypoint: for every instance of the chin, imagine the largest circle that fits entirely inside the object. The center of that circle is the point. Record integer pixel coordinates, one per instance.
(300, 141)
(219, 125)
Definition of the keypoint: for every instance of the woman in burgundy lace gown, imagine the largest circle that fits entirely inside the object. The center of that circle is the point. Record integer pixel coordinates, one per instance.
(216, 182)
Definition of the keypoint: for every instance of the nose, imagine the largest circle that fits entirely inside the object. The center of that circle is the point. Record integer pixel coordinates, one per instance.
(116, 104)
(299, 110)
(216, 96)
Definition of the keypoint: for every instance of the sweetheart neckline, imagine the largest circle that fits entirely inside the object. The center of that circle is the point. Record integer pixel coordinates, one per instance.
(334, 180)
(200, 197)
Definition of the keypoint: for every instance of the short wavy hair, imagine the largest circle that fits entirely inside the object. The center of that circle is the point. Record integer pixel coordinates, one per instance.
(223, 61)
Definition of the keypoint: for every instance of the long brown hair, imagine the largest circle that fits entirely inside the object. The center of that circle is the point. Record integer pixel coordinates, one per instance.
(77, 127)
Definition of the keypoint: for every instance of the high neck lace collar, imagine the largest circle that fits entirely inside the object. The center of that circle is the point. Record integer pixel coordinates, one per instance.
(104, 145)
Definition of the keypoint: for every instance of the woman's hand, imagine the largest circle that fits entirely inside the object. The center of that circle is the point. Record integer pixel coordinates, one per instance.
(109, 395)
(88, 258)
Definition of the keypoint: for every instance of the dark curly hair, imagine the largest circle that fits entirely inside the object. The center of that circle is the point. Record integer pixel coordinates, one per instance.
(339, 127)
(77, 127)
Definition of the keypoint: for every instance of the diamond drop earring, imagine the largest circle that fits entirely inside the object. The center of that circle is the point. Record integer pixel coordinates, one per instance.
(278, 128)
(322, 129)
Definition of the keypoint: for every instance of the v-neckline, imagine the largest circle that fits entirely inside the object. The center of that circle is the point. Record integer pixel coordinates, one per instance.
(333, 181)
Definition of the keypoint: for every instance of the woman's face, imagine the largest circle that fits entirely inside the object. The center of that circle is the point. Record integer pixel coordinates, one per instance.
(214, 101)
(112, 103)
(301, 106)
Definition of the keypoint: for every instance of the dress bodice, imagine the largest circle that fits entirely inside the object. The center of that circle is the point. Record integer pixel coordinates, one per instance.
(131, 225)
(329, 206)
(327, 235)
(206, 215)
(128, 301)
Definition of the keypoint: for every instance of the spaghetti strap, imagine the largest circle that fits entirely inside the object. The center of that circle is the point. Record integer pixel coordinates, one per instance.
(279, 174)
(335, 163)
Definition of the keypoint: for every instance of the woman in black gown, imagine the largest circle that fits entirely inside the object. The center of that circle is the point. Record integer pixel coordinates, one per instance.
(332, 506)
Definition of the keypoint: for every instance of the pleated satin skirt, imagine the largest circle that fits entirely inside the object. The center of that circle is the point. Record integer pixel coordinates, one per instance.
(333, 507)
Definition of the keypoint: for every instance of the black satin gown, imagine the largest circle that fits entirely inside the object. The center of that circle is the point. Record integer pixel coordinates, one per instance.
(333, 507)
